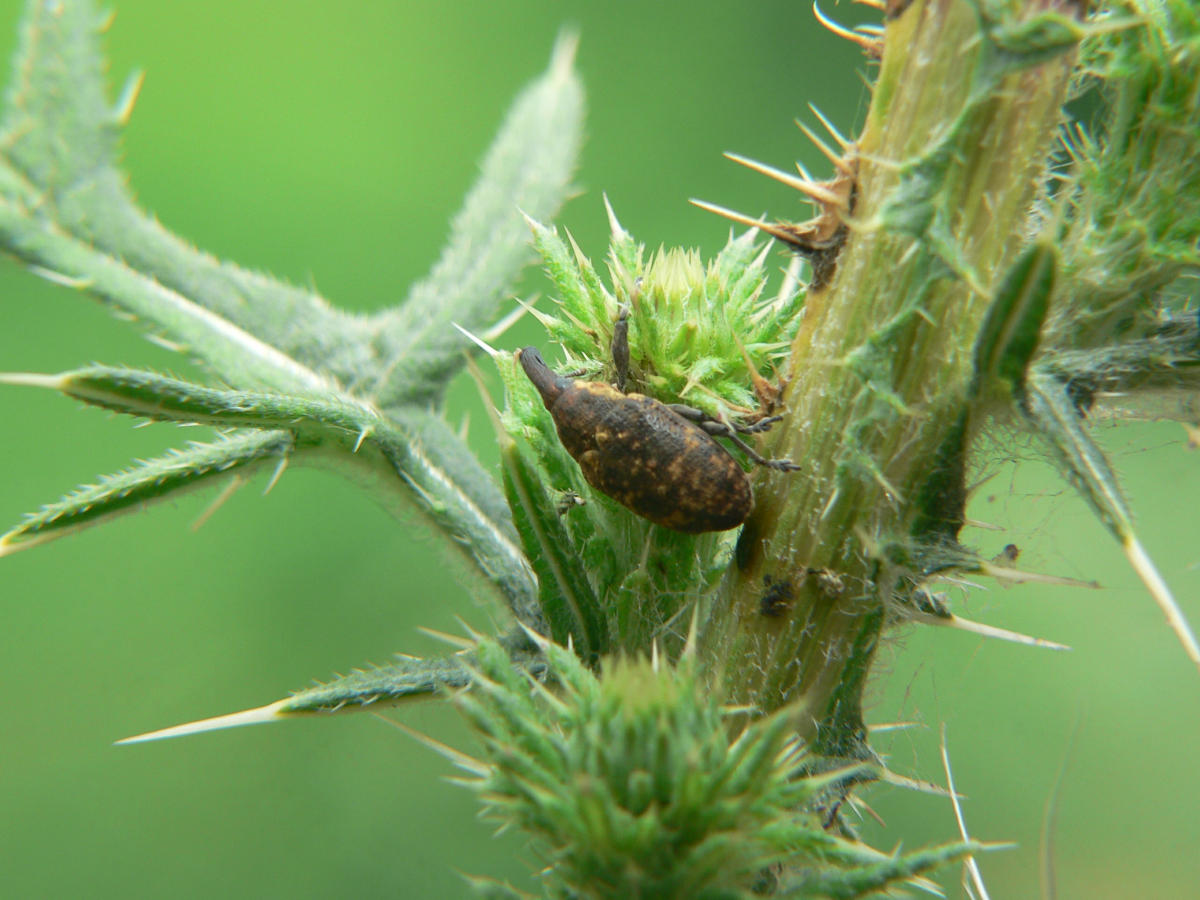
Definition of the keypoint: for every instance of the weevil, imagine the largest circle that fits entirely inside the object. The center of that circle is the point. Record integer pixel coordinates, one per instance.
(660, 461)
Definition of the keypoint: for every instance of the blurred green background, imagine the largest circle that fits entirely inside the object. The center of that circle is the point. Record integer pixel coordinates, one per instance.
(330, 144)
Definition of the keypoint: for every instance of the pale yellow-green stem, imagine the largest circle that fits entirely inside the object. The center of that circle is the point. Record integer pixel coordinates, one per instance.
(947, 162)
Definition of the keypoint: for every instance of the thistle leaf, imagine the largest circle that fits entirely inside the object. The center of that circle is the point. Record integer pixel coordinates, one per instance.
(527, 168)
(65, 208)
(158, 397)
(408, 679)
(1052, 412)
(66, 211)
(151, 480)
(412, 460)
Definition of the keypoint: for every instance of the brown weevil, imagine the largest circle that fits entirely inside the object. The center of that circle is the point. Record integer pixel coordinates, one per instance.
(658, 460)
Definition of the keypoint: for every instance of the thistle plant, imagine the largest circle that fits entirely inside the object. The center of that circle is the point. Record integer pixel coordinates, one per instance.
(668, 714)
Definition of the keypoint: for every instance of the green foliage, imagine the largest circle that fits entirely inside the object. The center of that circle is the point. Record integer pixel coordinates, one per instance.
(699, 333)
(645, 758)
(635, 782)
(1127, 203)
(66, 211)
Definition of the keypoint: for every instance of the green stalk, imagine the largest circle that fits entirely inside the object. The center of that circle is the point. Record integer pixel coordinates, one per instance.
(963, 116)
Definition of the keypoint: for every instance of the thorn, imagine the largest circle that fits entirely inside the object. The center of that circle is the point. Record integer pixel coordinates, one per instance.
(830, 503)
(744, 709)
(363, 434)
(506, 323)
(873, 47)
(1148, 573)
(689, 645)
(811, 189)
(79, 284)
(479, 342)
(471, 632)
(825, 149)
(542, 642)
(464, 427)
(1046, 850)
(791, 280)
(35, 379)
(454, 640)
(613, 224)
(277, 474)
(581, 258)
(1019, 576)
(123, 111)
(502, 436)
(740, 218)
(913, 784)
(107, 22)
(542, 318)
(884, 727)
(829, 126)
(874, 4)
(774, 230)
(859, 804)
(759, 262)
(226, 492)
(989, 631)
(13, 542)
(257, 716)
(165, 343)
(562, 57)
(982, 525)
(972, 866)
(460, 759)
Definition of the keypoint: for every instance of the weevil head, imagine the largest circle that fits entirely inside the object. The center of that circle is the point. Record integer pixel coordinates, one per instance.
(548, 384)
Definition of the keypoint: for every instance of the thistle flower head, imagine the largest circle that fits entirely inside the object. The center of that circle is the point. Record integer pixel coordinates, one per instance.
(634, 783)
(700, 333)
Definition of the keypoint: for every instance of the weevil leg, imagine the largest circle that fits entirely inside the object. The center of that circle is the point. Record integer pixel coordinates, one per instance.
(620, 347)
(700, 418)
(779, 465)
(763, 424)
(718, 428)
(691, 413)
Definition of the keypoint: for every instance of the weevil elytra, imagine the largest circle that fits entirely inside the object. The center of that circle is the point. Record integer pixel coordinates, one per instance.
(659, 461)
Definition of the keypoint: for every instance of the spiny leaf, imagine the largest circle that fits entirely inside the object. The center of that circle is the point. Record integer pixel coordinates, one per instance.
(1052, 412)
(407, 679)
(149, 481)
(868, 879)
(236, 355)
(161, 398)
(413, 455)
(65, 207)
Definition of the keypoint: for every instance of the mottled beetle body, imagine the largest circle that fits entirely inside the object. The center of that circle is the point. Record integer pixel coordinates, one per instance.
(643, 454)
